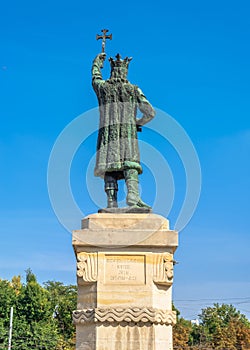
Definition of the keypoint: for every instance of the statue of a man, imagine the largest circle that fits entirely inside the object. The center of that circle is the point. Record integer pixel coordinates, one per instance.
(117, 146)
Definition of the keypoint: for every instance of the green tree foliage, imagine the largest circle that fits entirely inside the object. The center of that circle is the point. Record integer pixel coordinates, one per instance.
(225, 327)
(221, 327)
(63, 301)
(42, 315)
(7, 299)
(33, 301)
(181, 333)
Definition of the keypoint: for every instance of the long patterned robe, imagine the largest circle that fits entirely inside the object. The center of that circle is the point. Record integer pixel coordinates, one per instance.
(117, 144)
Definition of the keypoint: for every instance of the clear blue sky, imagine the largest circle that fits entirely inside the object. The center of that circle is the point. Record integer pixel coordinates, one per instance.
(191, 58)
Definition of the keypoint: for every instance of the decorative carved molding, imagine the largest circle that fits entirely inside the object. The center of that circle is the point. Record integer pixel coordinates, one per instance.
(163, 269)
(87, 267)
(128, 315)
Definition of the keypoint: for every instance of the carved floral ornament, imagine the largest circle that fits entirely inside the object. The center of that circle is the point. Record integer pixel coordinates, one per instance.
(87, 267)
(163, 269)
(128, 315)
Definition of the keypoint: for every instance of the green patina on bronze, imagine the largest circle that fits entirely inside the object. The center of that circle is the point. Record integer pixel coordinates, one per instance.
(118, 155)
(119, 100)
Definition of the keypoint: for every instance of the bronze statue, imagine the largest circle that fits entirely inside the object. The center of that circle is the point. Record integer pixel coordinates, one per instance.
(117, 145)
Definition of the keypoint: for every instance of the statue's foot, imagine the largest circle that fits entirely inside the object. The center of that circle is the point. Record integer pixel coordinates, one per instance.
(112, 204)
(137, 203)
(112, 198)
(129, 209)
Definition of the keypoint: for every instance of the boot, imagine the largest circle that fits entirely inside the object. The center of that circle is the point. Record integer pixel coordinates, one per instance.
(133, 198)
(111, 188)
(111, 198)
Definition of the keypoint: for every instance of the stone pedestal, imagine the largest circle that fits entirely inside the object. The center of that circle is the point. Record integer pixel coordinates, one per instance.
(124, 276)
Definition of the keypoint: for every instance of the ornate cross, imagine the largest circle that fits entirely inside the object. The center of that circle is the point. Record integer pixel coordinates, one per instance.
(104, 37)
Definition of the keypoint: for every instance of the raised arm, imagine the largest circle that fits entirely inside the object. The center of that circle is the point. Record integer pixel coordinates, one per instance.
(96, 70)
(145, 107)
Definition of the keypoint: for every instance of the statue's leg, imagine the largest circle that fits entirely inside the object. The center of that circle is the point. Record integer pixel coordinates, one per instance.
(132, 182)
(111, 188)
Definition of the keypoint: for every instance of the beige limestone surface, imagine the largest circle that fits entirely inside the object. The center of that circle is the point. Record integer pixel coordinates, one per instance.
(125, 277)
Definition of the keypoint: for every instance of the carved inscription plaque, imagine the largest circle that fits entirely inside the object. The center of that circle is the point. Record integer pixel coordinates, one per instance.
(125, 269)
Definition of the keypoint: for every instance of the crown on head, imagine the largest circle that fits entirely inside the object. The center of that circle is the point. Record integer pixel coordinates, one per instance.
(119, 63)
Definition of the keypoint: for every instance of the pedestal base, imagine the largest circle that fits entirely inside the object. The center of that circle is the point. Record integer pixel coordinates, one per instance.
(124, 337)
(124, 276)
(134, 210)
